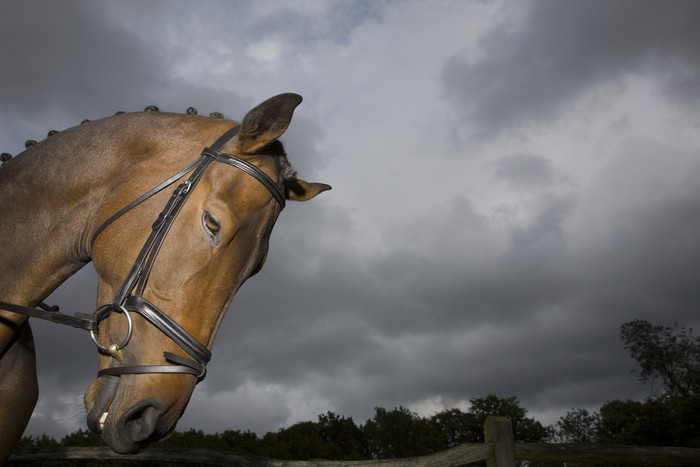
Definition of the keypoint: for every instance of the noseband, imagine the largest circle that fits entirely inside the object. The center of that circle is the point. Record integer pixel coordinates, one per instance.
(129, 298)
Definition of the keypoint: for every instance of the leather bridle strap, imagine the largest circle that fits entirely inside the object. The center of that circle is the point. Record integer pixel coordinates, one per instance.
(182, 365)
(138, 275)
(250, 169)
(51, 313)
(144, 261)
(136, 280)
(143, 198)
(140, 271)
(217, 146)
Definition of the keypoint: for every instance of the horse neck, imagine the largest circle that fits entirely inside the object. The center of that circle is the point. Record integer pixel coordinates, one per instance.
(49, 196)
(51, 193)
(43, 213)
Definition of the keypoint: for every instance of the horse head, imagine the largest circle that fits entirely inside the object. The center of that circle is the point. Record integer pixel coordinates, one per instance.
(217, 238)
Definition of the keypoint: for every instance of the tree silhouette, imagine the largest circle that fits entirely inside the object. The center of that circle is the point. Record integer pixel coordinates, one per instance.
(669, 354)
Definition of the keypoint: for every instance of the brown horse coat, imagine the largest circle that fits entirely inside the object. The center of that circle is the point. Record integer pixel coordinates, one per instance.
(58, 192)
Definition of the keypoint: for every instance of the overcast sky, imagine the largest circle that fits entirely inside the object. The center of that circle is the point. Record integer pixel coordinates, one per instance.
(512, 181)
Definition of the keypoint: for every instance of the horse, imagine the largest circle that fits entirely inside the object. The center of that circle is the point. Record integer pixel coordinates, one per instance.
(168, 261)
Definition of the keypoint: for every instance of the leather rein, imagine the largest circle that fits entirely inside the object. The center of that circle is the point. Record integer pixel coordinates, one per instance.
(129, 298)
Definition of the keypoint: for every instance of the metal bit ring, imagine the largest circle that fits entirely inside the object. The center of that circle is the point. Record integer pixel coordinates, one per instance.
(93, 331)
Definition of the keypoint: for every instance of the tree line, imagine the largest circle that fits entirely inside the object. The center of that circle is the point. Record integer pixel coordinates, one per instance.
(394, 433)
(667, 357)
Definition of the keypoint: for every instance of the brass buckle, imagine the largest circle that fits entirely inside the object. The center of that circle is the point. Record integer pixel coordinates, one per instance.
(115, 350)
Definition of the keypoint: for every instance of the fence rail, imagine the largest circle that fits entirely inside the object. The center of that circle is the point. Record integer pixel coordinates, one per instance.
(608, 454)
(499, 450)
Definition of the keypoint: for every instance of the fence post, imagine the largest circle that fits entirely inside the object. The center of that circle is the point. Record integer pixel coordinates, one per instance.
(498, 432)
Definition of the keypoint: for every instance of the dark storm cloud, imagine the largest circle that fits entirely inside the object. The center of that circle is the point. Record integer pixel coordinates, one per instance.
(525, 171)
(67, 61)
(300, 142)
(544, 312)
(68, 55)
(643, 240)
(531, 72)
(338, 22)
(536, 243)
(357, 308)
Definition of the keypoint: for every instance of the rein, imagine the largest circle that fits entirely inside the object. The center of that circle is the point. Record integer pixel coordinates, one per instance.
(129, 298)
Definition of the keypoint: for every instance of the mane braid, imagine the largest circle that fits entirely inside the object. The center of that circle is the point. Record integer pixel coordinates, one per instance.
(6, 156)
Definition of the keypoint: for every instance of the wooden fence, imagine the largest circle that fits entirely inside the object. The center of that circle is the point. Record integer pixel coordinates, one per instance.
(499, 450)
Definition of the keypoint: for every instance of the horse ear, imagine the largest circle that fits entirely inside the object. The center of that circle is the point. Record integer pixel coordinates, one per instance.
(299, 190)
(266, 122)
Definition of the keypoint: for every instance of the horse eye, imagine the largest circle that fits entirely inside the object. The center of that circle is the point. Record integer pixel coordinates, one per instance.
(210, 224)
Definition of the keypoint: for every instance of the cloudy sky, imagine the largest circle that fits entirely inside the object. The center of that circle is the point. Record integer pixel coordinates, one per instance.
(512, 181)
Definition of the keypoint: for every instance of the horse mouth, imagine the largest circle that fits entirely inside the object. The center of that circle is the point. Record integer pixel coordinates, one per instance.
(126, 430)
(102, 392)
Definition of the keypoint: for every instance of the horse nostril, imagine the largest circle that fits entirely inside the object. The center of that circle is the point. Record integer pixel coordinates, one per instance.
(136, 429)
(140, 422)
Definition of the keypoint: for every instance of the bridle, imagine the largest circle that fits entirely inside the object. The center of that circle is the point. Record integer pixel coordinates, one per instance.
(129, 298)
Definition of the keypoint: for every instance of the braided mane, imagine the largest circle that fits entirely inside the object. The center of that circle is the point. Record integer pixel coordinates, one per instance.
(6, 156)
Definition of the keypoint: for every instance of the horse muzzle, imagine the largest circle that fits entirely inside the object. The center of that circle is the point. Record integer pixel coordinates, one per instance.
(130, 415)
(132, 431)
